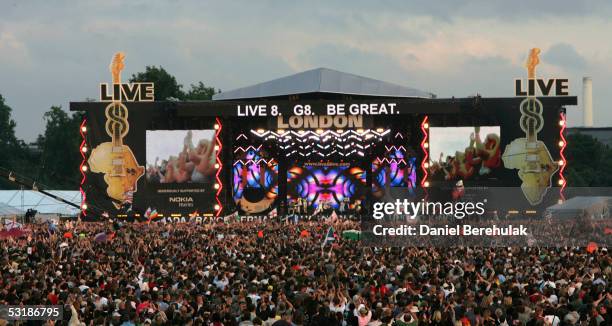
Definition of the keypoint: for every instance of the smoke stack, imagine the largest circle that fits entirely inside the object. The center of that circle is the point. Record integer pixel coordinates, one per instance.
(587, 101)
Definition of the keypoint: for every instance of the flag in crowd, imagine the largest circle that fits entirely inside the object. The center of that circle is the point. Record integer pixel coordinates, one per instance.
(101, 237)
(11, 224)
(150, 214)
(333, 217)
(329, 237)
(273, 213)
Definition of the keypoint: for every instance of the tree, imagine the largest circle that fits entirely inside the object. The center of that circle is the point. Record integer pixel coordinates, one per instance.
(59, 160)
(7, 128)
(589, 162)
(54, 160)
(200, 92)
(166, 86)
(14, 151)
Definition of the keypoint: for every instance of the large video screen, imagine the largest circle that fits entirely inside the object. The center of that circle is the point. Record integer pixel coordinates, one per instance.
(464, 153)
(180, 156)
(394, 174)
(254, 180)
(325, 184)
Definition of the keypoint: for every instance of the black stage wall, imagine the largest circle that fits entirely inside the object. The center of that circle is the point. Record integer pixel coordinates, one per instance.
(180, 136)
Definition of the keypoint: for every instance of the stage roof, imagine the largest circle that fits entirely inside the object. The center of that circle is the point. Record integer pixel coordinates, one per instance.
(322, 80)
(16, 202)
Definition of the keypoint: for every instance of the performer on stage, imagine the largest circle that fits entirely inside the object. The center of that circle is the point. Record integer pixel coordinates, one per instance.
(305, 205)
(297, 205)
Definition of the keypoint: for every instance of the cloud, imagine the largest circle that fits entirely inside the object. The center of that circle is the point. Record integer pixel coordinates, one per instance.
(566, 56)
(55, 52)
(354, 60)
(13, 51)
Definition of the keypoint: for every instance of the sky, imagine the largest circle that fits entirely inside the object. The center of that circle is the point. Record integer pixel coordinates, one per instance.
(54, 52)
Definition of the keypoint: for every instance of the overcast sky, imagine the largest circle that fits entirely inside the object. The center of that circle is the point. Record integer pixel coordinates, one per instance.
(54, 52)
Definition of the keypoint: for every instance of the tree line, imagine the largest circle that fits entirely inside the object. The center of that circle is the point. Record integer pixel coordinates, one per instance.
(53, 159)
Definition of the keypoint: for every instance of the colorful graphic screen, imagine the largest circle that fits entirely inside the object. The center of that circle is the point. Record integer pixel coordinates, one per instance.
(254, 180)
(396, 169)
(326, 185)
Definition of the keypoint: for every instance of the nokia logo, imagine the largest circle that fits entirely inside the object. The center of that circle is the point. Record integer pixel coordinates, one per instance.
(180, 199)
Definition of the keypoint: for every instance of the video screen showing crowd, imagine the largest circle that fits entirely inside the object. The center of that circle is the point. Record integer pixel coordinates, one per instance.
(180, 156)
(465, 153)
(463, 157)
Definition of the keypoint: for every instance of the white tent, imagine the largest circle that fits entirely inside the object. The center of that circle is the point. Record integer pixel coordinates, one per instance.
(592, 206)
(9, 211)
(17, 202)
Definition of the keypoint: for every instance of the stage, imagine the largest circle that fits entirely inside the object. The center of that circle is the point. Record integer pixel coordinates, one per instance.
(297, 152)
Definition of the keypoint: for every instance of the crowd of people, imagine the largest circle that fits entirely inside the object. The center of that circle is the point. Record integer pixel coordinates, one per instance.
(270, 273)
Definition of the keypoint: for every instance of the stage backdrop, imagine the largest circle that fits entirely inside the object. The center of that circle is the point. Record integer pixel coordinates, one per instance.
(166, 164)
(499, 148)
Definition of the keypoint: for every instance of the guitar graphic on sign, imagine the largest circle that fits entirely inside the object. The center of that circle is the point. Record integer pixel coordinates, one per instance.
(530, 155)
(115, 160)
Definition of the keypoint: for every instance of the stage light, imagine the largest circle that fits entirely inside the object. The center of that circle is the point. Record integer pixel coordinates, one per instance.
(319, 131)
(84, 128)
(424, 146)
(360, 131)
(563, 162)
(84, 207)
(216, 147)
(84, 149)
(217, 207)
(561, 182)
(379, 130)
(84, 168)
(260, 131)
(216, 186)
(216, 126)
(216, 165)
(426, 165)
(426, 125)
